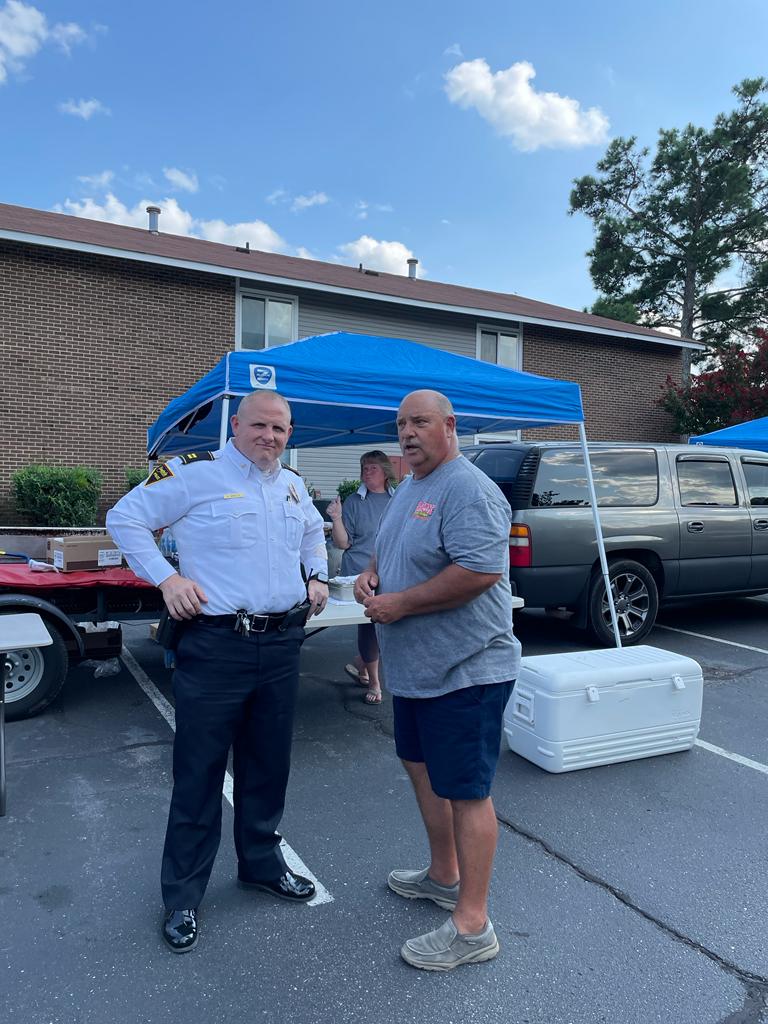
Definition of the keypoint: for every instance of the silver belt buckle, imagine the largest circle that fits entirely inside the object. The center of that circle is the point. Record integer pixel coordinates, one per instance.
(264, 619)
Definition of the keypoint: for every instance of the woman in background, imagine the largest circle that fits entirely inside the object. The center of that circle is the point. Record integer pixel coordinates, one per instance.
(354, 528)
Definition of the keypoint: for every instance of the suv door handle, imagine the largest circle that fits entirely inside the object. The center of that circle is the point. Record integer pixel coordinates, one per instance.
(760, 524)
(696, 527)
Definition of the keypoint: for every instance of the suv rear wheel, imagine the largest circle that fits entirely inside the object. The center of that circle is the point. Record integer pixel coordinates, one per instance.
(636, 597)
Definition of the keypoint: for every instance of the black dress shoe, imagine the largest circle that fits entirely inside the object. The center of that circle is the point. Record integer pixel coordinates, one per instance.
(288, 886)
(180, 930)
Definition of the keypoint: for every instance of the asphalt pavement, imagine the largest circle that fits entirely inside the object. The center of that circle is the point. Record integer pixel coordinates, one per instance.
(628, 894)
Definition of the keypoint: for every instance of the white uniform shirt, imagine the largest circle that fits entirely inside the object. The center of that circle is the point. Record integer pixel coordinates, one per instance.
(240, 533)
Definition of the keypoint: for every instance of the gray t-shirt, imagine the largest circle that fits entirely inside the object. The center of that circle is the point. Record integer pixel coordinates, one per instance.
(361, 516)
(455, 515)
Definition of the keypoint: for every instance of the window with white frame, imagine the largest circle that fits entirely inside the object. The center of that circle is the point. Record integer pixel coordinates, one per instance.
(501, 346)
(266, 320)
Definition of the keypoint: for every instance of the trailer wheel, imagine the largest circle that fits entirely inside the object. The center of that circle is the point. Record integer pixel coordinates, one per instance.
(35, 676)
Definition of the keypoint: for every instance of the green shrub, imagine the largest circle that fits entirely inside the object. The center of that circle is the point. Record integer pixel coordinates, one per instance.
(57, 495)
(347, 487)
(135, 476)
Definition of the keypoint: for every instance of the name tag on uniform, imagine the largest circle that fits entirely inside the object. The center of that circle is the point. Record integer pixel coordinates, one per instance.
(239, 494)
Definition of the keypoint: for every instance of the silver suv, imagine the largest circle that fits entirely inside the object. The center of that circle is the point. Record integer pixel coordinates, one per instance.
(679, 521)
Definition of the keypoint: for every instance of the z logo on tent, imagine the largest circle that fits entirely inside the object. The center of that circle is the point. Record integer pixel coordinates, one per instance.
(263, 377)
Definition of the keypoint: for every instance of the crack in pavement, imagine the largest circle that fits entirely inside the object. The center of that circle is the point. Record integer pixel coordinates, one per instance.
(754, 982)
(26, 762)
(381, 724)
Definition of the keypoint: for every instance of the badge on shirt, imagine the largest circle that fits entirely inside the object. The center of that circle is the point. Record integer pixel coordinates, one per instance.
(160, 472)
(424, 510)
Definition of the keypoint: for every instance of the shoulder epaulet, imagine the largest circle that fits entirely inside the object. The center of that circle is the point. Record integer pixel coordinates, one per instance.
(291, 469)
(191, 457)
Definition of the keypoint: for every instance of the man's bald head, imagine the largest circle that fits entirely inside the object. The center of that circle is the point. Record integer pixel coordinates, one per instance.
(434, 399)
(257, 396)
(261, 427)
(426, 429)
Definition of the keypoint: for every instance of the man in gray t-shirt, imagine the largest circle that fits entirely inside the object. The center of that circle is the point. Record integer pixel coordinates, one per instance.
(438, 590)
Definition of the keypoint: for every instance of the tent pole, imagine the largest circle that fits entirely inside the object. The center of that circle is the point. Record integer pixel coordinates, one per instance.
(599, 533)
(224, 421)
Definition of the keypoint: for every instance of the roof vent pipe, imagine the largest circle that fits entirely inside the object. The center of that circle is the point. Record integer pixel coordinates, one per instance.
(154, 213)
(412, 264)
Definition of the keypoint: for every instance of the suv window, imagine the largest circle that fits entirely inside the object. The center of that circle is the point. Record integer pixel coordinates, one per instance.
(757, 481)
(502, 466)
(705, 482)
(623, 478)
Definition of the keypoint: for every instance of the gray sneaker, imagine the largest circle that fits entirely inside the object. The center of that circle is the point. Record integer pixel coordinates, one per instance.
(444, 948)
(417, 885)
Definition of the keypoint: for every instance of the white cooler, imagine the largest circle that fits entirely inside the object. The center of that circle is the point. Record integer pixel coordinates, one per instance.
(588, 708)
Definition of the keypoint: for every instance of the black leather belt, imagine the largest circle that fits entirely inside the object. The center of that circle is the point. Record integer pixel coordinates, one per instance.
(257, 623)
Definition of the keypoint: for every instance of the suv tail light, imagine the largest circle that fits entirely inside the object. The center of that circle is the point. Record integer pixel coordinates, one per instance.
(519, 546)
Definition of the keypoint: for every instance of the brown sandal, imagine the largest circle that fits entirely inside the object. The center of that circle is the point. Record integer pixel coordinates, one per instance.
(372, 697)
(354, 673)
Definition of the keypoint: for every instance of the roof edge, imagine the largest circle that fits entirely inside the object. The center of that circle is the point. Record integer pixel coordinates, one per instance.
(245, 275)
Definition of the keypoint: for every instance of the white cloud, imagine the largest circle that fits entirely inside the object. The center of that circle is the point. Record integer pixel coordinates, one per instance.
(259, 234)
(454, 50)
(185, 180)
(390, 257)
(65, 36)
(24, 30)
(531, 119)
(362, 208)
(277, 196)
(304, 202)
(99, 181)
(175, 220)
(83, 108)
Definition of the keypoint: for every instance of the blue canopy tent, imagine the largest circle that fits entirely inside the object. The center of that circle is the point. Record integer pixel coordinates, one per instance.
(346, 388)
(752, 434)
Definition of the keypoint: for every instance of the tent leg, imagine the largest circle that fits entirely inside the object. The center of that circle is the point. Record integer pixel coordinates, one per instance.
(224, 421)
(599, 533)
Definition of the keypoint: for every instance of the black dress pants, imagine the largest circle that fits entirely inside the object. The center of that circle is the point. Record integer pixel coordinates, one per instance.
(234, 692)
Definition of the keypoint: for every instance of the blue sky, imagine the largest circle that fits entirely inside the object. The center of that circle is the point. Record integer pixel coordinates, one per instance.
(357, 131)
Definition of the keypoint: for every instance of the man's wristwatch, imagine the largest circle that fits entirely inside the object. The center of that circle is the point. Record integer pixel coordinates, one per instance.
(319, 575)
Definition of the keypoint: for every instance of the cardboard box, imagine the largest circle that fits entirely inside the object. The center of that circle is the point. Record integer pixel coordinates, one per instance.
(75, 554)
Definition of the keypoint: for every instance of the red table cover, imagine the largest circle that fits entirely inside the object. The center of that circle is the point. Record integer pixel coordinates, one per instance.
(20, 577)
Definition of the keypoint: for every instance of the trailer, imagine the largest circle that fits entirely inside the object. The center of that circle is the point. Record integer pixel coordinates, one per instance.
(77, 608)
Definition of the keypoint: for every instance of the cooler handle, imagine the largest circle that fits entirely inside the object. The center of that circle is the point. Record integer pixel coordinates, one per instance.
(522, 706)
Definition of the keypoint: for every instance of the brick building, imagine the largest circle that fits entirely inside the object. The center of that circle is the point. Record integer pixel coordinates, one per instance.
(101, 325)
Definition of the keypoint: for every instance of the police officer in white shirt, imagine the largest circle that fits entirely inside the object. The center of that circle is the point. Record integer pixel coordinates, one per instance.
(243, 526)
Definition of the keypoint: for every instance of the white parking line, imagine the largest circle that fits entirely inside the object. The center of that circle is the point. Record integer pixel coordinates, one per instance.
(714, 639)
(292, 859)
(747, 761)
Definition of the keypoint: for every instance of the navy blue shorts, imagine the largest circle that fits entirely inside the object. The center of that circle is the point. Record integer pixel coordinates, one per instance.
(457, 736)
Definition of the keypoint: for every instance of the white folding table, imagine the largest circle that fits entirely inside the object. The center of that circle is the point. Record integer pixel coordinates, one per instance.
(18, 632)
(348, 613)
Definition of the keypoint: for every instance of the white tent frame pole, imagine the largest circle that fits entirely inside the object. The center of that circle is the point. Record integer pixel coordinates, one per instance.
(599, 533)
(224, 421)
